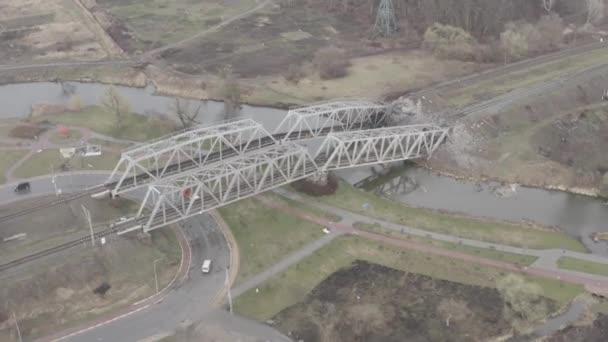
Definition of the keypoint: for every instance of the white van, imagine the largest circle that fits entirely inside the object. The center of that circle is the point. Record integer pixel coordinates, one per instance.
(206, 266)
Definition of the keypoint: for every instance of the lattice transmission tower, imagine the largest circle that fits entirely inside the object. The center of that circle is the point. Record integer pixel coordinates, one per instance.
(386, 20)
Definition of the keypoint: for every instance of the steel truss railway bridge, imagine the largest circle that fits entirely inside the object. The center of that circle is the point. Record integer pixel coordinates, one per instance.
(206, 167)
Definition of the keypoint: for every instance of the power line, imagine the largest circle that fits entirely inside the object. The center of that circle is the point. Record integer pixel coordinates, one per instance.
(386, 20)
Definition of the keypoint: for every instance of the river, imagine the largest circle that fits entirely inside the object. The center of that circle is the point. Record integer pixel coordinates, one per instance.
(577, 215)
(17, 100)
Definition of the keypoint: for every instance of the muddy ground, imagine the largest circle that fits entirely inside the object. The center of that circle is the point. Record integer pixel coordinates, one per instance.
(369, 302)
(52, 293)
(268, 43)
(596, 332)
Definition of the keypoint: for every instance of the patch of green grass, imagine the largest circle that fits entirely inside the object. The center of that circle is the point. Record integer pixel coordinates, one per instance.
(523, 78)
(519, 259)
(291, 286)
(40, 163)
(265, 235)
(299, 205)
(134, 126)
(7, 159)
(350, 198)
(585, 266)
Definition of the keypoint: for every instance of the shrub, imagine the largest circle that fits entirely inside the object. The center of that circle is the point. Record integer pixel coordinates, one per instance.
(26, 131)
(102, 289)
(518, 40)
(515, 38)
(450, 42)
(294, 74)
(551, 29)
(331, 62)
(314, 189)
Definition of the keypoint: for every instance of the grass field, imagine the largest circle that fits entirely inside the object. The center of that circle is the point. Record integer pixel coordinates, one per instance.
(299, 205)
(291, 286)
(352, 199)
(7, 159)
(49, 161)
(585, 266)
(486, 89)
(519, 259)
(135, 127)
(265, 235)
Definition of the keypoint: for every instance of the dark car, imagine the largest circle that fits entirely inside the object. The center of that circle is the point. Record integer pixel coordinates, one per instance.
(23, 187)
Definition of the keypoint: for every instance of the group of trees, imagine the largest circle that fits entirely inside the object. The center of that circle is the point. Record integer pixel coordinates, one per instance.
(518, 40)
(183, 111)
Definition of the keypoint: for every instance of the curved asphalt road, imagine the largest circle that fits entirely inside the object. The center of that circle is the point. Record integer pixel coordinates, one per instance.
(190, 298)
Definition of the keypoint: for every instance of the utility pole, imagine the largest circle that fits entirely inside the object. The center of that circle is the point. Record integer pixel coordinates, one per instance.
(386, 20)
(17, 326)
(87, 215)
(53, 180)
(229, 294)
(155, 275)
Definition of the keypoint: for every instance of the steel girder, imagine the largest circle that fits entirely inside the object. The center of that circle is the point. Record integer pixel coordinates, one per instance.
(185, 151)
(377, 146)
(191, 193)
(315, 120)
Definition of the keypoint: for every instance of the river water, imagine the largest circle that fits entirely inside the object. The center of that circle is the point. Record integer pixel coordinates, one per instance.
(17, 100)
(577, 215)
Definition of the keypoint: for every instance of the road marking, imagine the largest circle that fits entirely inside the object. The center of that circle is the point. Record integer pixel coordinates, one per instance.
(101, 324)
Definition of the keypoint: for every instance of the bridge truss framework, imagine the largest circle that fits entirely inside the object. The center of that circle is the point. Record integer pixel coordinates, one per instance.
(207, 167)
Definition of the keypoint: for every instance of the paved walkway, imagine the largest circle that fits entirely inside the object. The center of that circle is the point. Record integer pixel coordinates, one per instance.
(547, 258)
(43, 143)
(284, 264)
(542, 269)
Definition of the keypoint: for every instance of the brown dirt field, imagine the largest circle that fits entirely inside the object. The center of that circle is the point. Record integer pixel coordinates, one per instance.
(255, 45)
(592, 333)
(49, 29)
(369, 302)
(56, 292)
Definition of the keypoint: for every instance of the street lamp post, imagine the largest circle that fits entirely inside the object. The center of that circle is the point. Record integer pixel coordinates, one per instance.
(87, 215)
(17, 326)
(155, 275)
(229, 294)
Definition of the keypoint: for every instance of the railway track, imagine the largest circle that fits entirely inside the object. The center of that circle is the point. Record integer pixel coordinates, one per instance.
(50, 204)
(172, 169)
(58, 248)
(513, 67)
(499, 102)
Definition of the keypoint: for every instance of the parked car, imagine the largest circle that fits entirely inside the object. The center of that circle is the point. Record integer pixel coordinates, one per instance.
(22, 187)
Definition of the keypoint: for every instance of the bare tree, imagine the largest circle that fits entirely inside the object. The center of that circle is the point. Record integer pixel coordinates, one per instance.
(595, 11)
(113, 102)
(230, 93)
(67, 89)
(185, 113)
(548, 5)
